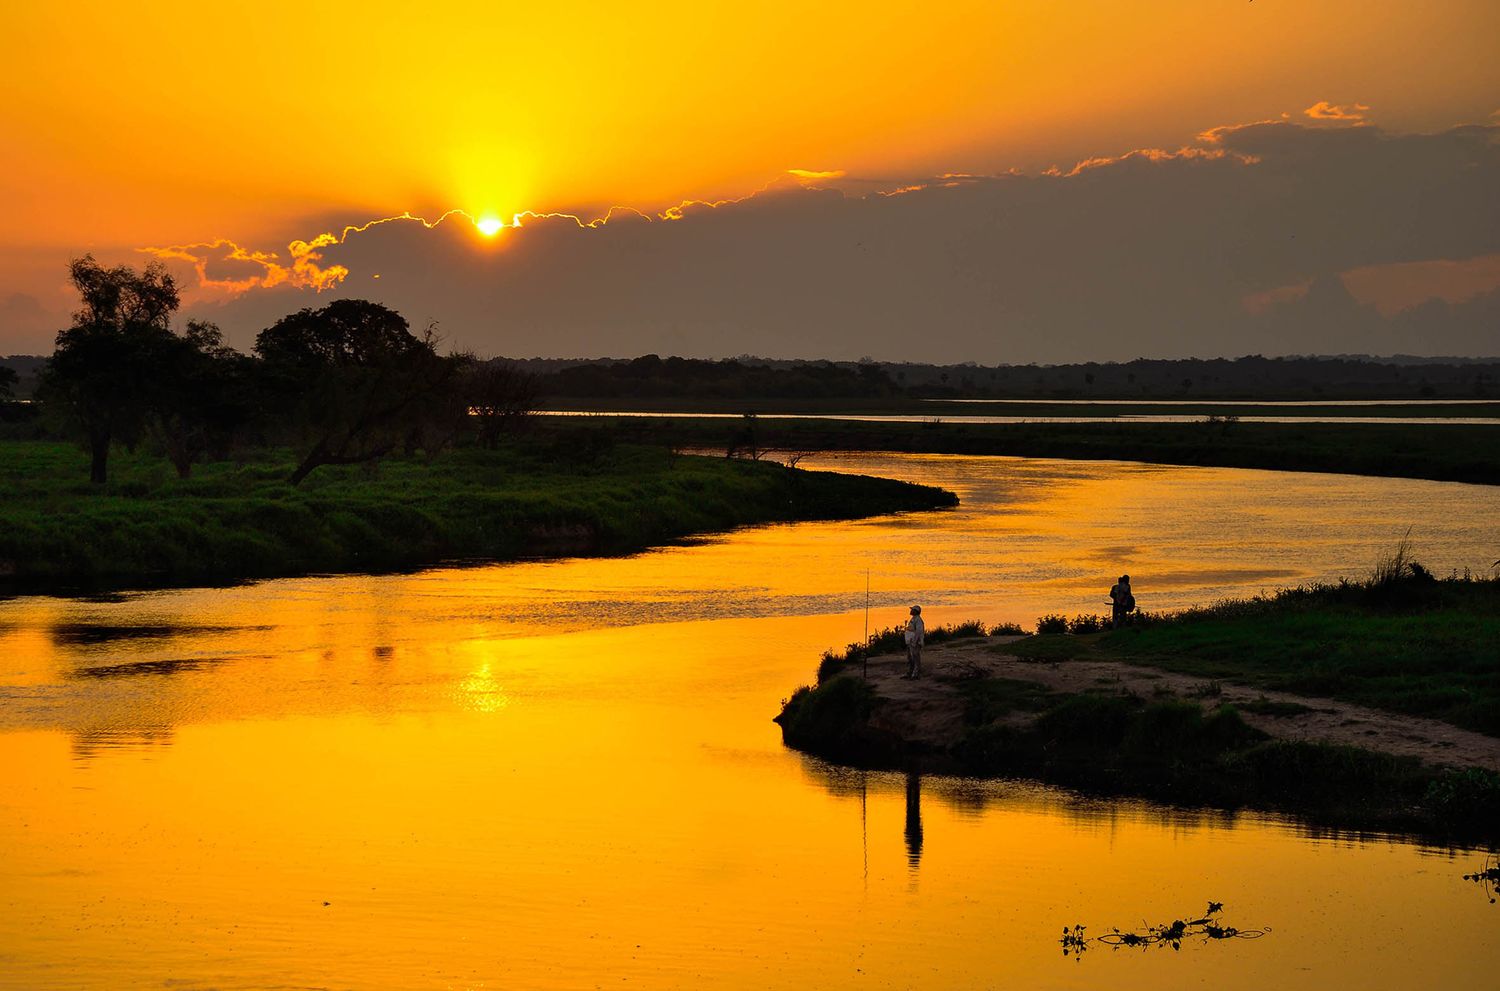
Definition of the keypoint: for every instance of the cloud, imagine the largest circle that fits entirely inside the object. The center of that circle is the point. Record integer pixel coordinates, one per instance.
(1351, 113)
(1401, 286)
(1236, 242)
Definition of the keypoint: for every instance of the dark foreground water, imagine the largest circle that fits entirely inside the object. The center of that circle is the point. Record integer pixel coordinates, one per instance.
(564, 774)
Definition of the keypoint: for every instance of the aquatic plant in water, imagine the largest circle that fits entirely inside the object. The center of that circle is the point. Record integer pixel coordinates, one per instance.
(1488, 876)
(1075, 939)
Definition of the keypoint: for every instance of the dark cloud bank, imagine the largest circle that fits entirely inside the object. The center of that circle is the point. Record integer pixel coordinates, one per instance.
(1146, 254)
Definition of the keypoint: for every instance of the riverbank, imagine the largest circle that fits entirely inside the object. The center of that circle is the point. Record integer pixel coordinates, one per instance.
(562, 495)
(1103, 713)
(1438, 451)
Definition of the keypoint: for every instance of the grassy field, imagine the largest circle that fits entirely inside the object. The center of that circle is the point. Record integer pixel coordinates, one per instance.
(1421, 647)
(1447, 452)
(568, 495)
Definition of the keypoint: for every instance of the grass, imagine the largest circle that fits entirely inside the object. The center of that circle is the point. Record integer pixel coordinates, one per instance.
(1444, 451)
(989, 699)
(1418, 646)
(242, 520)
(892, 640)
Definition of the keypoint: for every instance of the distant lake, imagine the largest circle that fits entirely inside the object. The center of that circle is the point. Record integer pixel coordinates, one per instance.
(563, 774)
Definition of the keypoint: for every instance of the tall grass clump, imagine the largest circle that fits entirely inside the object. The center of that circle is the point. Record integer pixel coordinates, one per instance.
(1052, 623)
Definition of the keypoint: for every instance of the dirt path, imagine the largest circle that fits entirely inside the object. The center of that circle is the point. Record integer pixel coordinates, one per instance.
(930, 710)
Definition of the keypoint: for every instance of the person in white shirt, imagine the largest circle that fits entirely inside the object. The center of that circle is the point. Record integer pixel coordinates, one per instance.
(916, 632)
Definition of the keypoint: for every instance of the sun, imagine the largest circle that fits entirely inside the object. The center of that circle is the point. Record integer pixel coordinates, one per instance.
(488, 226)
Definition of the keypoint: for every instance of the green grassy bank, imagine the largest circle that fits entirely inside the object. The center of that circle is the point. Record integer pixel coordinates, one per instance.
(1445, 452)
(569, 495)
(1414, 645)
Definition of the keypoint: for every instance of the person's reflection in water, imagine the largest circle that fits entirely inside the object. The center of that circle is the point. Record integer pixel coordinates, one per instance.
(913, 820)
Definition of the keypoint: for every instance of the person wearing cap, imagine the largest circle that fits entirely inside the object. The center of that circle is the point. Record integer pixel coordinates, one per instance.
(916, 632)
(1124, 602)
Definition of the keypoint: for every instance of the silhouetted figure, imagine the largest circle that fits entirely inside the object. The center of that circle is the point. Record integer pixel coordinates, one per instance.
(1124, 602)
(916, 633)
(914, 820)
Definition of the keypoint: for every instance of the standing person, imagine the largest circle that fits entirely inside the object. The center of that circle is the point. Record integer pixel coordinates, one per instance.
(916, 633)
(1124, 602)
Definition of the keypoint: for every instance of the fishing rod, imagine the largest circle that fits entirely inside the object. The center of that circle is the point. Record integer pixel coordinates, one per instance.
(864, 652)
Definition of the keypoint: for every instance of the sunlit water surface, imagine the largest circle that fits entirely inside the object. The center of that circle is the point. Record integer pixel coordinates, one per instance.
(564, 774)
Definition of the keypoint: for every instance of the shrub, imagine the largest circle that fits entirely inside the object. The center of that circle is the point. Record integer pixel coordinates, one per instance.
(823, 718)
(1052, 623)
(970, 628)
(832, 664)
(1080, 625)
(1007, 630)
(1468, 795)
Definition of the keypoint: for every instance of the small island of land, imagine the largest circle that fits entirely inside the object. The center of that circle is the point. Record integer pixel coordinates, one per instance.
(1361, 705)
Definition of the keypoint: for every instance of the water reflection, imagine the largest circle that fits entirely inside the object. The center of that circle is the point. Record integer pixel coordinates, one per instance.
(88, 744)
(579, 755)
(913, 821)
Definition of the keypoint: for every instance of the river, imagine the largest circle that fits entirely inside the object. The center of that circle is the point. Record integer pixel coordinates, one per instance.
(563, 774)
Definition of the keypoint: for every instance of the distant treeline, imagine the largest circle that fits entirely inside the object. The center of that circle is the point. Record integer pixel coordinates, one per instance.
(1251, 377)
(745, 377)
(651, 377)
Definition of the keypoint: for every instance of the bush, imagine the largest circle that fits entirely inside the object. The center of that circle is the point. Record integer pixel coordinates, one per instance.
(831, 665)
(1468, 795)
(1052, 623)
(958, 631)
(829, 719)
(1007, 630)
(1080, 625)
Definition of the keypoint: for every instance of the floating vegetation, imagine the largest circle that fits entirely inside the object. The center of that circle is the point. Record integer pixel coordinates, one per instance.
(1075, 939)
(1488, 877)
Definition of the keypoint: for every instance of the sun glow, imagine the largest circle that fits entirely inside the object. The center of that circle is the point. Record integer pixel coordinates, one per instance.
(488, 226)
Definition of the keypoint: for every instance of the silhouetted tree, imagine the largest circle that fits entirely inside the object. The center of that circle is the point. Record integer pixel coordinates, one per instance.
(204, 398)
(498, 396)
(352, 378)
(8, 380)
(107, 365)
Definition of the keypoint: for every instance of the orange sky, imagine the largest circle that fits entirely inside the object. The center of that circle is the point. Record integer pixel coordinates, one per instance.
(131, 125)
(177, 121)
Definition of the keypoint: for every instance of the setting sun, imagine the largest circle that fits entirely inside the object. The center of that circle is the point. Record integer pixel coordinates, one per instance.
(488, 226)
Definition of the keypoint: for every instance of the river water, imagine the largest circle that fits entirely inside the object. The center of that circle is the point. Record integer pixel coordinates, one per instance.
(564, 774)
